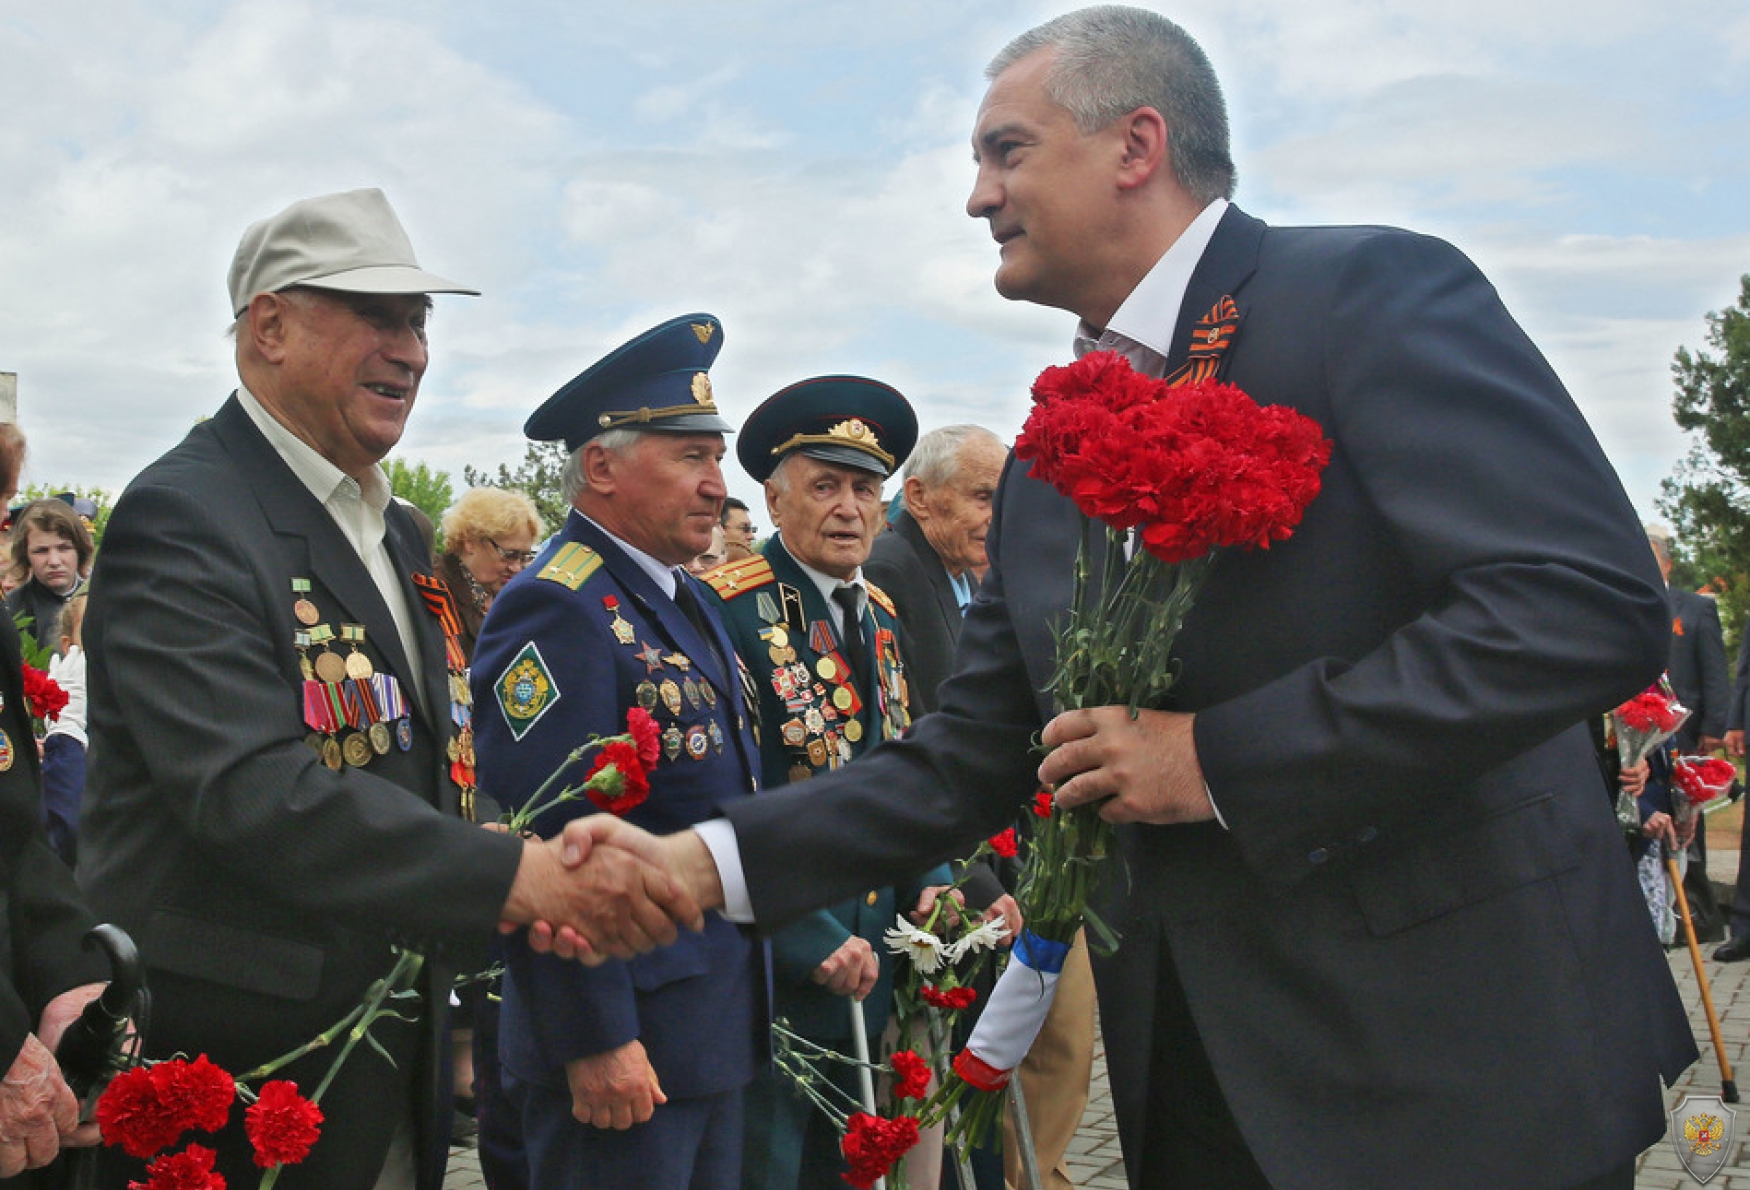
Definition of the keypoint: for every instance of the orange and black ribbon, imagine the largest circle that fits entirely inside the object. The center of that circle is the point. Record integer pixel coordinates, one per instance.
(1210, 339)
(440, 604)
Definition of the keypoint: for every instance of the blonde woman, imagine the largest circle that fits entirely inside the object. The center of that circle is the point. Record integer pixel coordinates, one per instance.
(489, 535)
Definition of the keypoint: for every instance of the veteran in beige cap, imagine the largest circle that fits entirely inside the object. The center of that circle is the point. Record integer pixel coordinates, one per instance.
(282, 774)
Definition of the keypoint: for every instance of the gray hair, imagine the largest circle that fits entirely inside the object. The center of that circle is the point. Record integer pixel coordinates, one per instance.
(571, 479)
(1112, 60)
(936, 457)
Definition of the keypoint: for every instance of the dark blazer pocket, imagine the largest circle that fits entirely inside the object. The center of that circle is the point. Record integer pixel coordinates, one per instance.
(1466, 864)
(246, 959)
(686, 958)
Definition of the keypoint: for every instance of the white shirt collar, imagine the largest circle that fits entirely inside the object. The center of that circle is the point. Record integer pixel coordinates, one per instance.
(1149, 314)
(315, 472)
(660, 574)
(827, 584)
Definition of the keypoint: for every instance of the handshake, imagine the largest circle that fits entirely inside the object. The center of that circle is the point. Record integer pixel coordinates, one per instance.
(605, 889)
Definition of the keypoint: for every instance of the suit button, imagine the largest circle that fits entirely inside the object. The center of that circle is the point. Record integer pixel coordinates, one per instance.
(1318, 856)
(1367, 834)
(873, 897)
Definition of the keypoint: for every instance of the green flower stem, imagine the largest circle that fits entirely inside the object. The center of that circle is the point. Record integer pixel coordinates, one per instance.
(519, 821)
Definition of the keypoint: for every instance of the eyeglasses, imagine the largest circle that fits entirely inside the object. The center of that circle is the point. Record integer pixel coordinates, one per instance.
(522, 557)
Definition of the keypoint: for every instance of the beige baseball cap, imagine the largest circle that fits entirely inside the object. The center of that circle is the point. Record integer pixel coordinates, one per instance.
(350, 242)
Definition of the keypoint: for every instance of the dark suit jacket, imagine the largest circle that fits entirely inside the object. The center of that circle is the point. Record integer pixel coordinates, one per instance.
(1406, 927)
(262, 888)
(694, 1004)
(1697, 666)
(903, 564)
(43, 918)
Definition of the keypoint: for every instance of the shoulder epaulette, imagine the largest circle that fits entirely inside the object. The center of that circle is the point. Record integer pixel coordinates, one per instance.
(572, 565)
(734, 578)
(879, 597)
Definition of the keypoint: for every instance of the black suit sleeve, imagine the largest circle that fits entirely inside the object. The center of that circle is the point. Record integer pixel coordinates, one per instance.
(183, 611)
(1711, 653)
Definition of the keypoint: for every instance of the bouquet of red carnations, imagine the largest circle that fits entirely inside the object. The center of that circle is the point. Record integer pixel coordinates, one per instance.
(1166, 475)
(1698, 781)
(1640, 725)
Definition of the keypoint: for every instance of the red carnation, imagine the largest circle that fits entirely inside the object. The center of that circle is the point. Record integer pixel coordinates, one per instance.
(645, 737)
(196, 1095)
(617, 782)
(954, 999)
(871, 1145)
(281, 1125)
(911, 1075)
(1649, 711)
(1042, 804)
(44, 694)
(128, 1115)
(148, 1108)
(191, 1169)
(1193, 467)
(1702, 779)
(1004, 844)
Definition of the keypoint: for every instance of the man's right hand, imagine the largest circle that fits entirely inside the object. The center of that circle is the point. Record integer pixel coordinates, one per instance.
(616, 1089)
(851, 970)
(1734, 743)
(37, 1110)
(610, 904)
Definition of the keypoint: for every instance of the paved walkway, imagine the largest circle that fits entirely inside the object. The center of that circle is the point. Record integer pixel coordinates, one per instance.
(1095, 1163)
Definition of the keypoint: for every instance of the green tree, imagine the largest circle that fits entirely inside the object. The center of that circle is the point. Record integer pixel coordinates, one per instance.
(419, 485)
(537, 477)
(1707, 497)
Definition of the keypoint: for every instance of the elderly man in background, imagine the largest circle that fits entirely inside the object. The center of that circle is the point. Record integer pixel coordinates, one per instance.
(929, 565)
(274, 793)
(823, 646)
(630, 1074)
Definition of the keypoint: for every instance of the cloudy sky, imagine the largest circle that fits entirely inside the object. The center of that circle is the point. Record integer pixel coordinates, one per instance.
(799, 168)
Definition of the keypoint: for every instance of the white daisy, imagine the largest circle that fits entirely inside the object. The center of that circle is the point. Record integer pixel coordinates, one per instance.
(984, 937)
(923, 948)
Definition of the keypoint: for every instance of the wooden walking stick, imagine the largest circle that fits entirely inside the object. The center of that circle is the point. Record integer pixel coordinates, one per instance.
(1728, 1088)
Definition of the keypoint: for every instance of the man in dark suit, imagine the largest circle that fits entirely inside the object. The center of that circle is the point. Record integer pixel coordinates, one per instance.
(274, 799)
(1737, 946)
(824, 648)
(1380, 964)
(628, 1074)
(46, 978)
(1697, 669)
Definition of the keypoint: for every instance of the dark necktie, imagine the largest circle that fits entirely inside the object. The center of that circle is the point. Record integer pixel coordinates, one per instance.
(852, 636)
(689, 605)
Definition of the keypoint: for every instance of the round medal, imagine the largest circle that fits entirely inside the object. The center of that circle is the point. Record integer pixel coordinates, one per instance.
(698, 743)
(853, 730)
(779, 637)
(331, 668)
(306, 613)
(331, 753)
(356, 749)
(380, 740)
(841, 698)
(359, 667)
(404, 733)
(826, 669)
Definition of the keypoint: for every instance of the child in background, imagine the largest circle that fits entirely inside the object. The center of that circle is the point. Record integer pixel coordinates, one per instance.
(64, 745)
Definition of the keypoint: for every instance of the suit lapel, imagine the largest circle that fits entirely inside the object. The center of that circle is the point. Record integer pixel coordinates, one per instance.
(326, 554)
(1227, 263)
(940, 584)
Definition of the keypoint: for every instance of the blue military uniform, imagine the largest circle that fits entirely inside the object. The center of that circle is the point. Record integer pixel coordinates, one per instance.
(571, 645)
(815, 716)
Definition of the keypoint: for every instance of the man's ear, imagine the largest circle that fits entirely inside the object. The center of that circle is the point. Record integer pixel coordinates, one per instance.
(771, 490)
(597, 466)
(1146, 151)
(267, 324)
(914, 499)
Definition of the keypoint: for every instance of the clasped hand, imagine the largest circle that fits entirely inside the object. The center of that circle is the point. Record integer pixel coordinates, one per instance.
(39, 1115)
(1143, 769)
(592, 887)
